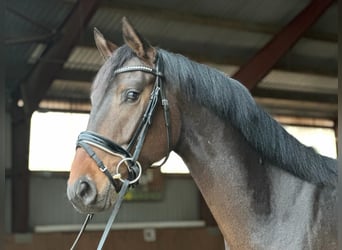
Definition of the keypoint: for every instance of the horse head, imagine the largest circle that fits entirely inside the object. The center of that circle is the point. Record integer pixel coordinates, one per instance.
(123, 94)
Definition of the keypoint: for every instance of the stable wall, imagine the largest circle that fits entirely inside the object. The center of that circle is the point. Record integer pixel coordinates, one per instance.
(165, 239)
(57, 222)
(49, 206)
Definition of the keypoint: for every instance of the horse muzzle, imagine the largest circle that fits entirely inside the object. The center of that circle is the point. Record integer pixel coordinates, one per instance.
(85, 197)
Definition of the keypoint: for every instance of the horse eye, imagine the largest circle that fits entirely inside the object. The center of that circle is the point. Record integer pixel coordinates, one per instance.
(132, 95)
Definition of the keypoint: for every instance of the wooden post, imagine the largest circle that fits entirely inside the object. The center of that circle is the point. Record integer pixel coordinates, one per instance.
(20, 173)
(3, 156)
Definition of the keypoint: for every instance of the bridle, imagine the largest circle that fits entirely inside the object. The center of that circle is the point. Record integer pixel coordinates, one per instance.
(89, 139)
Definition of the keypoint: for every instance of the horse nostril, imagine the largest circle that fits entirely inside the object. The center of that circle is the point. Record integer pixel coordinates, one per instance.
(86, 190)
(83, 189)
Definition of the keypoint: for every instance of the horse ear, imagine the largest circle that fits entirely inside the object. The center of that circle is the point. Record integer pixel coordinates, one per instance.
(137, 43)
(106, 48)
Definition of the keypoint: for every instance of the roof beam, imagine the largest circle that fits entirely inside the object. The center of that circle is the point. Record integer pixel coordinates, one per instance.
(251, 73)
(57, 53)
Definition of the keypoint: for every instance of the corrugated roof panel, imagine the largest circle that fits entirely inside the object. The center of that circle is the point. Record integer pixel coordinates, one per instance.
(25, 21)
(322, 49)
(44, 16)
(106, 20)
(278, 79)
(84, 58)
(328, 22)
(69, 89)
(179, 30)
(263, 11)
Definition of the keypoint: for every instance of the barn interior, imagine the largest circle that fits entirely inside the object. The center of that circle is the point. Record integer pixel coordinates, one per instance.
(284, 52)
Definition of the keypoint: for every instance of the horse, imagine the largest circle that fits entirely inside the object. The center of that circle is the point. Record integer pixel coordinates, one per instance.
(264, 188)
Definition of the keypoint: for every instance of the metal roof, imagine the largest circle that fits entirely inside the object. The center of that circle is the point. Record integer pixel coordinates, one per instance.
(225, 34)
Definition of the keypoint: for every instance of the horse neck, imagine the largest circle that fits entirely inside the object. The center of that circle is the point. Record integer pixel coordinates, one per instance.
(242, 191)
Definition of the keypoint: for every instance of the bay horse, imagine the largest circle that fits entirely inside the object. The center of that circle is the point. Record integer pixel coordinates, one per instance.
(264, 188)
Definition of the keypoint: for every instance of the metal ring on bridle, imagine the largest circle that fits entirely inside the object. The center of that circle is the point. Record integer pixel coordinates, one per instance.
(118, 175)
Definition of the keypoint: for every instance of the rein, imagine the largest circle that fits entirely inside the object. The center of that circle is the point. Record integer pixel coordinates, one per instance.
(86, 139)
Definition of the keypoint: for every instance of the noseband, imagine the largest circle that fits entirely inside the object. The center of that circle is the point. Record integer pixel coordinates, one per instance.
(86, 139)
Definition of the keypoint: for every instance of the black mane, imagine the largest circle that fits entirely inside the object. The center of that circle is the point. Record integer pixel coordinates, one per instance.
(230, 100)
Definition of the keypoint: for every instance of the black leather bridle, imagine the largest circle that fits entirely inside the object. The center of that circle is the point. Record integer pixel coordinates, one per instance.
(89, 139)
